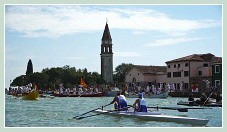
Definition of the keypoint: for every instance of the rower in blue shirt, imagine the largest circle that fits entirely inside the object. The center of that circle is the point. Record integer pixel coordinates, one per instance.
(120, 102)
(140, 104)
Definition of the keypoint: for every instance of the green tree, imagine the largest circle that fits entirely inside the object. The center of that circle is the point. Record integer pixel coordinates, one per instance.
(97, 78)
(19, 81)
(53, 77)
(40, 79)
(29, 67)
(69, 76)
(121, 71)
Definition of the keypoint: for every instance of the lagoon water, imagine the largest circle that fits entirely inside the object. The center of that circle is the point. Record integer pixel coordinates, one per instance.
(59, 112)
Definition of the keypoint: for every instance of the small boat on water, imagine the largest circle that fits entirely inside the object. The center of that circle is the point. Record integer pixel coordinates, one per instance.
(32, 95)
(46, 96)
(112, 92)
(156, 116)
(193, 103)
(99, 94)
(159, 95)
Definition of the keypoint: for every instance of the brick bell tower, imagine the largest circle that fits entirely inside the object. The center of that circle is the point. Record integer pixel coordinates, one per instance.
(106, 56)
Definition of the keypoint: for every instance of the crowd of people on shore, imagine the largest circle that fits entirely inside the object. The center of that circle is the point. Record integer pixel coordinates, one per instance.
(20, 91)
(76, 90)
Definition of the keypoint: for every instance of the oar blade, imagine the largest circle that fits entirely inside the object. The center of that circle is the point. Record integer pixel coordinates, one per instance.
(90, 111)
(182, 110)
(80, 118)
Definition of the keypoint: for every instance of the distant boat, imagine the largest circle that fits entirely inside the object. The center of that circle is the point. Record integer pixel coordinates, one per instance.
(160, 95)
(193, 103)
(99, 94)
(33, 95)
(113, 92)
(46, 96)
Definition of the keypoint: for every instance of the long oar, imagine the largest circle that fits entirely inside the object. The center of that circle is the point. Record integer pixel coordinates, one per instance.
(82, 117)
(168, 108)
(91, 111)
(207, 98)
(176, 108)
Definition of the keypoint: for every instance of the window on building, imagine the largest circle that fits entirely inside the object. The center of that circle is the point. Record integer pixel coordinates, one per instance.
(138, 83)
(217, 83)
(178, 65)
(185, 85)
(129, 74)
(169, 74)
(205, 65)
(186, 73)
(217, 68)
(176, 74)
(168, 66)
(138, 74)
(178, 86)
(200, 73)
(186, 64)
(174, 65)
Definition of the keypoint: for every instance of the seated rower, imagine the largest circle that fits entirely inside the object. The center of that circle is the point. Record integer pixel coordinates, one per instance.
(202, 99)
(140, 104)
(120, 102)
(191, 98)
(218, 97)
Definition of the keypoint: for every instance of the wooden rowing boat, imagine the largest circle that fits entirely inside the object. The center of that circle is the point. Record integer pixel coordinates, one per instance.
(33, 95)
(208, 104)
(156, 116)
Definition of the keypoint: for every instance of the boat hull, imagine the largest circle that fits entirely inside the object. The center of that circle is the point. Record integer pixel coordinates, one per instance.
(213, 104)
(157, 116)
(161, 95)
(79, 95)
(33, 95)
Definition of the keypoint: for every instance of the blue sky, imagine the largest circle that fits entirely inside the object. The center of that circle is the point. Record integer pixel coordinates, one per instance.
(59, 35)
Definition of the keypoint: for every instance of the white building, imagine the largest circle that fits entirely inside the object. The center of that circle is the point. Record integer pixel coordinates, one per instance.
(146, 75)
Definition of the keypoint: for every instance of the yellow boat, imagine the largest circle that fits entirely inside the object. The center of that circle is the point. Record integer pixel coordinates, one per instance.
(33, 95)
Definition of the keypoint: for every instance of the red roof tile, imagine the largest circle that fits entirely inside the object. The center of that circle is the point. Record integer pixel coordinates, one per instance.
(197, 57)
(150, 69)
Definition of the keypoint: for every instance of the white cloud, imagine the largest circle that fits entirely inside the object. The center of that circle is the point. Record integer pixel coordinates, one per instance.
(58, 20)
(138, 32)
(126, 54)
(170, 41)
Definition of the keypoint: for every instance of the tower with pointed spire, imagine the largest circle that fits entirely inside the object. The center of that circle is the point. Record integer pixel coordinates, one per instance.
(106, 56)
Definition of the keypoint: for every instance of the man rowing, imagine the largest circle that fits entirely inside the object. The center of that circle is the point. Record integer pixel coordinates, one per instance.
(202, 99)
(140, 104)
(120, 102)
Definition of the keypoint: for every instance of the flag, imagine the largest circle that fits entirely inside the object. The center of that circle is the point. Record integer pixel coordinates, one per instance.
(82, 83)
(126, 87)
(35, 87)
